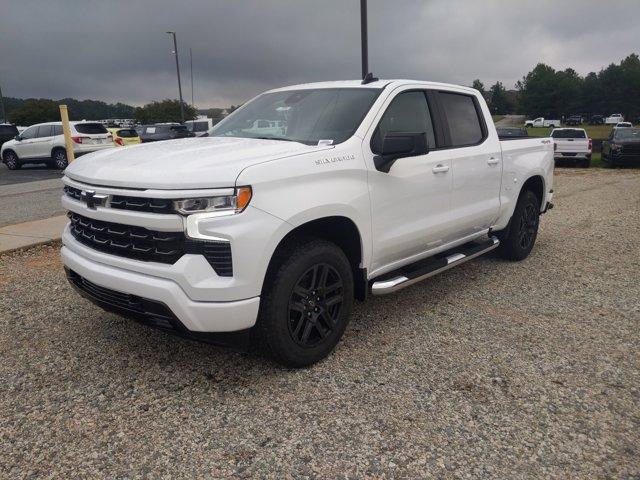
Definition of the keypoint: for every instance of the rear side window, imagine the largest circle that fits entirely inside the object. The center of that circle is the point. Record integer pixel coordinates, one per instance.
(569, 133)
(57, 130)
(200, 127)
(127, 133)
(463, 120)
(408, 112)
(45, 131)
(90, 128)
(179, 128)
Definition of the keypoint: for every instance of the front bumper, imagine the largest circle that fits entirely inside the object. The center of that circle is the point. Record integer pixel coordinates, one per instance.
(196, 316)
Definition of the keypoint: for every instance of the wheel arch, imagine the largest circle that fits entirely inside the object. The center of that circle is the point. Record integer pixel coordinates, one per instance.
(339, 230)
(535, 183)
(7, 150)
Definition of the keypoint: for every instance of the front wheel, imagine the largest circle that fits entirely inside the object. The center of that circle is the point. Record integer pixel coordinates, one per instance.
(306, 302)
(516, 242)
(11, 160)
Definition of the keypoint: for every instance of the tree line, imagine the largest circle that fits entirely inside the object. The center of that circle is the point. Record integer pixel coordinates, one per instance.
(552, 93)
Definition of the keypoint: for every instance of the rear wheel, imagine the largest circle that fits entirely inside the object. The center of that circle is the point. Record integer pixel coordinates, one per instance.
(11, 160)
(585, 162)
(516, 242)
(306, 302)
(59, 157)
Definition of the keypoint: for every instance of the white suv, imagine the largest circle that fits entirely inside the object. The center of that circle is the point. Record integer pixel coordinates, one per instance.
(44, 143)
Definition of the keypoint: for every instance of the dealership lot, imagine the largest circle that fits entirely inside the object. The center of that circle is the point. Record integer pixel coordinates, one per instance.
(492, 369)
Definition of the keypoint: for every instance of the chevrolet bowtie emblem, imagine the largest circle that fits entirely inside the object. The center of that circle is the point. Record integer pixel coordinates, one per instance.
(91, 199)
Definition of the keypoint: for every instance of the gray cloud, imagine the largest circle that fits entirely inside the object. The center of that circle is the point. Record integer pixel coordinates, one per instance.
(117, 50)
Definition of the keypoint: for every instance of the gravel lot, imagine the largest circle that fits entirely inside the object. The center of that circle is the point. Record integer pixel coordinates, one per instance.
(493, 369)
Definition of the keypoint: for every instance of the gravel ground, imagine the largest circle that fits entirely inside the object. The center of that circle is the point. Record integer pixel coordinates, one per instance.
(493, 369)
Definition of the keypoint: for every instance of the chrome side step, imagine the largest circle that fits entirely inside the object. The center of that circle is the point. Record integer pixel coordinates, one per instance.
(411, 274)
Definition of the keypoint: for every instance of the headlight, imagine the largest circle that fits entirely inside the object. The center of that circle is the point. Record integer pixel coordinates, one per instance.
(234, 203)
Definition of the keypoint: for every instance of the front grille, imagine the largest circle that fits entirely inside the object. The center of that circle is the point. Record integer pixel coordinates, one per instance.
(631, 148)
(154, 313)
(122, 202)
(148, 245)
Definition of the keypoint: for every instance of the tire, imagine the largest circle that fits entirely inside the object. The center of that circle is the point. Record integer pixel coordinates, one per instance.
(306, 302)
(585, 162)
(11, 160)
(518, 239)
(59, 158)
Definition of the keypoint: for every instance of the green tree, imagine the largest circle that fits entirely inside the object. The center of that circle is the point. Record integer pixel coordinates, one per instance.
(164, 111)
(537, 91)
(478, 85)
(35, 111)
(499, 101)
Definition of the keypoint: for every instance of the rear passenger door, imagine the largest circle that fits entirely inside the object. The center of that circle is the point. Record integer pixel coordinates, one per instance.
(41, 145)
(476, 164)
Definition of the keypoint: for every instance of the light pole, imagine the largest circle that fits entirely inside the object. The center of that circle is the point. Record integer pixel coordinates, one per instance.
(191, 64)
(363, 38)
(175, 51)
(3, 116)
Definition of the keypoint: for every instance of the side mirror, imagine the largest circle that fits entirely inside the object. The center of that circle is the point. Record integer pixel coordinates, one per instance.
(18, 138)
(397, 145)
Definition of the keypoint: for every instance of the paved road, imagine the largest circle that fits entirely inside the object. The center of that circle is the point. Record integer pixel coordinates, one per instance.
(511, 121)
(30, 200)
(494, 369)
(28, 173)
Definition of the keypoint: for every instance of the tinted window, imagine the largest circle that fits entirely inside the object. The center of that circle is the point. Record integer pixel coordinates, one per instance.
(6, 130)
(57, 130)
(90, 128)
(179, 128)
(628, 133)
(127, 133)
(569, 133)
(30, 133)
(45, 131)
(462, 118)
(200, 127)
(408, 112)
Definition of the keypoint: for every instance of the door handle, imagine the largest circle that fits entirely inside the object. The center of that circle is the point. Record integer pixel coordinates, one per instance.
(440, 168)
(493, 161)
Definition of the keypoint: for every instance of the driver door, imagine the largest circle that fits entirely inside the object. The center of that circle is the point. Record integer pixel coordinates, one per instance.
(409, 204)
(25, 148)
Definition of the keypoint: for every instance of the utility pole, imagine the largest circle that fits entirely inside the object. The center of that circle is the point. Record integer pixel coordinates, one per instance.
(175, 51)
(363, 36)
(2, 112)
(191, 64)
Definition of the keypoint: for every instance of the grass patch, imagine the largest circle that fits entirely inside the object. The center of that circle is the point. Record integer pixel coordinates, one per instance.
(595, 132)
(497, 118)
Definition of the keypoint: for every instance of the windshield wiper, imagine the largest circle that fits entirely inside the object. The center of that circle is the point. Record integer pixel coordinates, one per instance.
(284, 139)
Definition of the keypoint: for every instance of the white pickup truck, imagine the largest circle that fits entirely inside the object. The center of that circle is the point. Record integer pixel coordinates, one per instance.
(613, 119)
(368, 189)
(572, 144)
(542, 122)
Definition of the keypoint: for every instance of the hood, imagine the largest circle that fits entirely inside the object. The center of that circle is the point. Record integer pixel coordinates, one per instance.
(209, 162)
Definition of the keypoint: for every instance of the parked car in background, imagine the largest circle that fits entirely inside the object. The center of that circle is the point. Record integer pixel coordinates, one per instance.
(44, 143)
(622, 147)
(572, 144)
(542, 122)
(596, 120)
(505, 133)
(274, 236)
(125, 136)
(164, 131)
(199, 126)
(623, 125)
(573, 120)
(613, 119)
(7, 132)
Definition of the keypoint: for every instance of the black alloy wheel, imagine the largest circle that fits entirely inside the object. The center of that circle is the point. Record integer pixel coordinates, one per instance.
(315, 305)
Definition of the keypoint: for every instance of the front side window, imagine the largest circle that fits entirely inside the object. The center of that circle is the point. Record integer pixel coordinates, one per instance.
(462, 119)
(409, 113)
(305, 116)
(31, 132)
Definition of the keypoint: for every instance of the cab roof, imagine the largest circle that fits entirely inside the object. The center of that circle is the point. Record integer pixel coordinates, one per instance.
(379, 84)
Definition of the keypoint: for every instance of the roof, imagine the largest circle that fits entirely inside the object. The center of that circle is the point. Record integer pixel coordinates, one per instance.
(378, 84)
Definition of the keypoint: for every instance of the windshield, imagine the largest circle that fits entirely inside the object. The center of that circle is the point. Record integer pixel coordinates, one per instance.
(305, 116)
(629, 133)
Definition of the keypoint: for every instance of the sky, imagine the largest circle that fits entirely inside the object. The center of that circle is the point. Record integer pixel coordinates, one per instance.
(116, 50)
